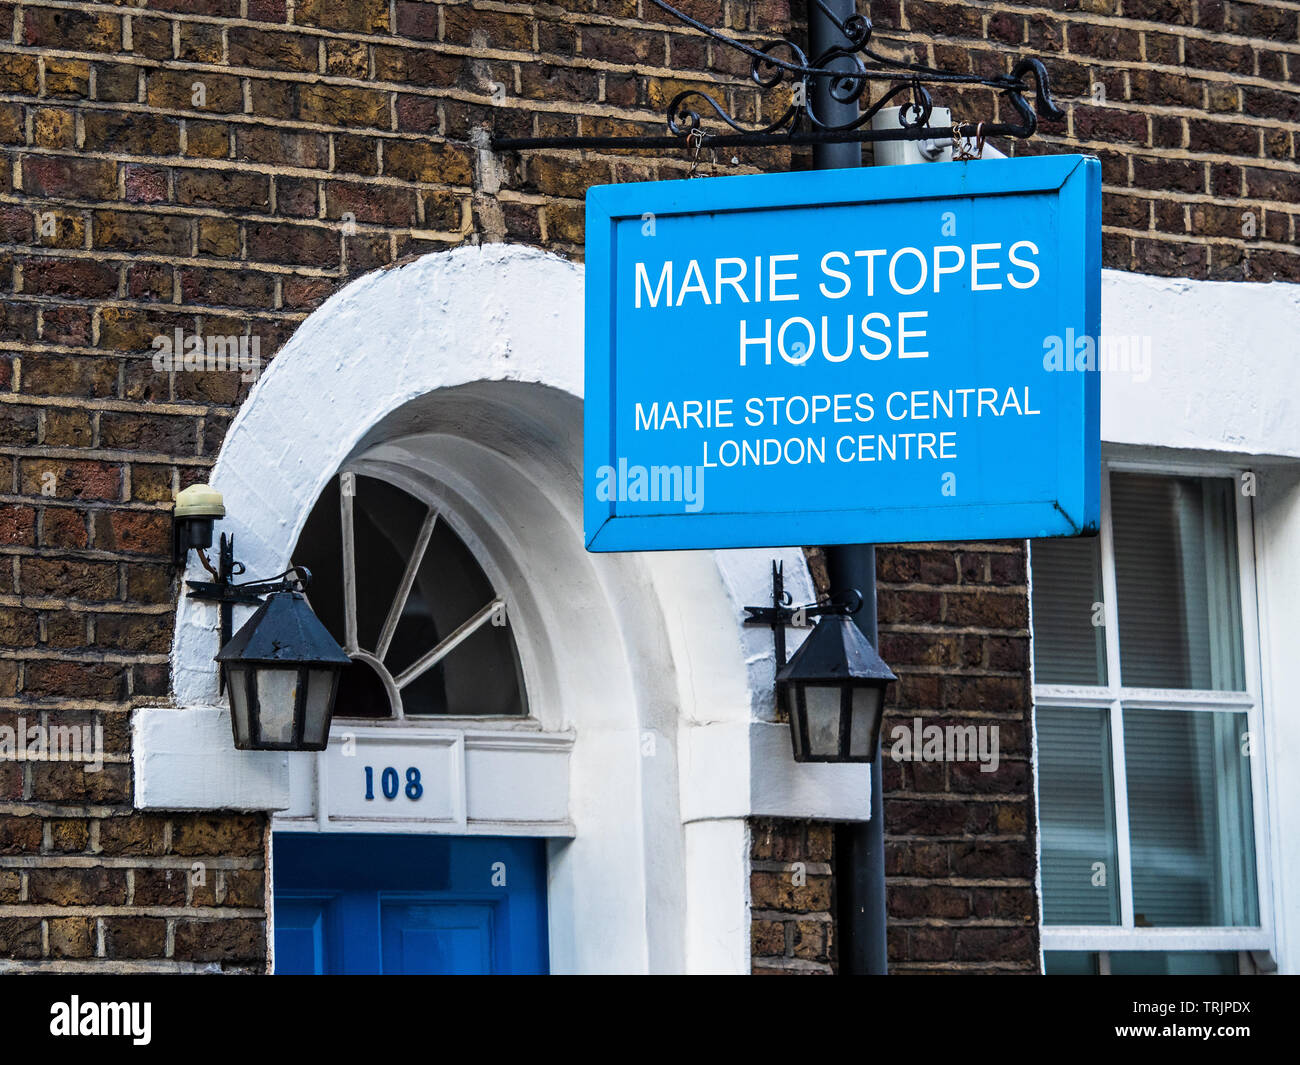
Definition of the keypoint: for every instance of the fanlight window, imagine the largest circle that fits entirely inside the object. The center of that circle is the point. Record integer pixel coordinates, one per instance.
(427, 633)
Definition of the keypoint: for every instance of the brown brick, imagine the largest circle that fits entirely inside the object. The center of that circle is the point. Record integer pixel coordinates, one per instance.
(72, 937)
(132, 133)
(53, 127)
(19, 73)
(151, 38)
(417, 20)
(69, 782)
(223, 188)
(352, 16)
(10, 879)
(20, 835)
(65, 578)
(194, 90)
(142, 432)
(417, 66)
(812, 940)
(83, 278)
(201, 834)
(77, 887)
(146, 585)
(78, 680)
(132, 531)
(298, 245)
(61, 28)
(18, 526)
(142, 231)
(69, 836)
(64, 527)
(767, 938)
(369, 203)
(777, 891)
(341, 105)
(252, 47)
(20, 937)
(245, 888)
(287, 147)
(160, 887)
(227, 288)
(239, 939)
(423, 161)
(71, 480)
(206, 140)
(347, 59)
(617, 44)
(134, 937)
(69, 177)
(487, 29)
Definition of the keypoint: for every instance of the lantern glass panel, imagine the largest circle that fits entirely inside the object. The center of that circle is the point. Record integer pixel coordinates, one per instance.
(277, 697)
(866, 707)
(822, 703)
(320, 698)
(237, 685)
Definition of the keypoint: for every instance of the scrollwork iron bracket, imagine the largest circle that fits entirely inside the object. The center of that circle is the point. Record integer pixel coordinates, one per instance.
(848, 73)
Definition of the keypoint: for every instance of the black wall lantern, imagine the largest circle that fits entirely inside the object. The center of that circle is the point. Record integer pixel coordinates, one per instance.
(282, 668)
(834, 686)
(282, 672)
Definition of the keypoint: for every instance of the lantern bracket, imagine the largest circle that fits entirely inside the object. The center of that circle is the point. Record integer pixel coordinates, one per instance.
(782, 613)
(223, 590)
(792, 86)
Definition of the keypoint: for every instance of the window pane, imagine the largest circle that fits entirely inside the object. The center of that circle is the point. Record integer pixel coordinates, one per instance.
(481, 676)
(1190, 821)
(277, 697)
(1069, 963)
(1179, 592)
(1077, 807)
(822, 705)
(1180, 963)
(1069, 637)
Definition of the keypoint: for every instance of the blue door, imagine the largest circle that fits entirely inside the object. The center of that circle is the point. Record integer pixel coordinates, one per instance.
(409, 904)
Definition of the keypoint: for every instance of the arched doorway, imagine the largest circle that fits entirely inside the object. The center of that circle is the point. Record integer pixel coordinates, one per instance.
(429, 637)
(647, 738)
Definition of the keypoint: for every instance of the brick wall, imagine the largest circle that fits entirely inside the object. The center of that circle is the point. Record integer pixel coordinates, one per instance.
(792, 897)
(960, 851)
(1191, 105)
(221, 166)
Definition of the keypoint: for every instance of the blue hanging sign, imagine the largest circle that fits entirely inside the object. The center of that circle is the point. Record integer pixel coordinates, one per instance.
(885, 355)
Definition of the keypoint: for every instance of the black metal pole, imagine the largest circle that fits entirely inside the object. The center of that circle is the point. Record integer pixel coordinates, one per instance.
(859, 848)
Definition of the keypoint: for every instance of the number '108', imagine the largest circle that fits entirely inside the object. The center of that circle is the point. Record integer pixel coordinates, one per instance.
(389, 783)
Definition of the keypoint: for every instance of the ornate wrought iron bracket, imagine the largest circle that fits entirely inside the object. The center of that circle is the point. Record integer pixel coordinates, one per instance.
(848, 73)
(782, 613)
(223, 590)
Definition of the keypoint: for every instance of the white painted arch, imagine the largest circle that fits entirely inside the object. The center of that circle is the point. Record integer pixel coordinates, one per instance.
(459, 376)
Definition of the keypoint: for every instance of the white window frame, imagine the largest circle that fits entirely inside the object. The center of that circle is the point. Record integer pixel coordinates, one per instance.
(436, 510)
(1113, 696)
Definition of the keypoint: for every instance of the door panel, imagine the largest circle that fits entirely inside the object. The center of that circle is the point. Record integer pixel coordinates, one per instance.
(354, 903)
(430, 937)
(300, 935)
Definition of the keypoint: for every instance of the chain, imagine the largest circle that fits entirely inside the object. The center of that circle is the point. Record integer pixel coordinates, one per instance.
(696, 137)
(963, 147)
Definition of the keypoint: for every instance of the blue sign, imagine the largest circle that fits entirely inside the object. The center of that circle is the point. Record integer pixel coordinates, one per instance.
(885, 355)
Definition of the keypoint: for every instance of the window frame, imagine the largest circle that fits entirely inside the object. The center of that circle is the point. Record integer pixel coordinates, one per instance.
(439, 508)
(1246, 961)
(1114, 697)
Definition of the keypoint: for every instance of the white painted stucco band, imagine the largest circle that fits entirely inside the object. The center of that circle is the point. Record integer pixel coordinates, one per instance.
(460, 376)
(1222, 375)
